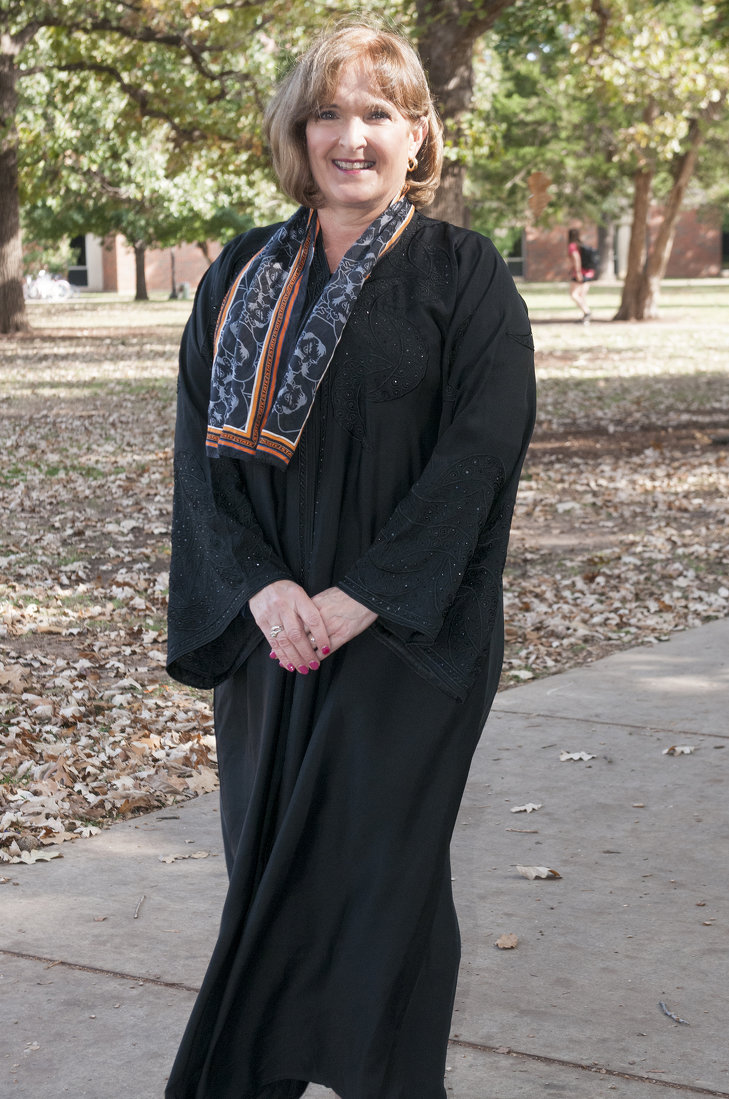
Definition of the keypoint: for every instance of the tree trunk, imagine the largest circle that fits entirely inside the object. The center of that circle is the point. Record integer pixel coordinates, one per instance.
(446, 40)
(643, 186)
(637, 249)
(659, 254)
(606, 248)
(646, 263)
(449, 203)
(173, 276)
(205, 249)
(139, 254)
(12, 303)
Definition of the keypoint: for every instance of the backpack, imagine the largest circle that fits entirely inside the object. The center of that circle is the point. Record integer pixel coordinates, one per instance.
(589, 258)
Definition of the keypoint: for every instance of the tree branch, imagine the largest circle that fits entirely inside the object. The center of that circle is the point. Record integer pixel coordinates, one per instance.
(233, 5)
(33, 71)
(603, 18)
(146, 35)
(138, 95)
(472, 20)
(107, 187)
(22, 37)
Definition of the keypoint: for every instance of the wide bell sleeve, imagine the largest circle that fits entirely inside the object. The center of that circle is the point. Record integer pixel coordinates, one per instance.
(220, 557)
(434, 573)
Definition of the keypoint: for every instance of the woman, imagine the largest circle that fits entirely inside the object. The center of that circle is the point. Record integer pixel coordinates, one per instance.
(355, 401)
(580, 277)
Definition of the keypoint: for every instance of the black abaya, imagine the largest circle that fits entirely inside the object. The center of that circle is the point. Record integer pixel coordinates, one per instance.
(338, 949)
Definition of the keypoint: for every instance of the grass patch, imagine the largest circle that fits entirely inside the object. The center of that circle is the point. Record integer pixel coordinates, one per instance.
(705, 299)
(12, 474)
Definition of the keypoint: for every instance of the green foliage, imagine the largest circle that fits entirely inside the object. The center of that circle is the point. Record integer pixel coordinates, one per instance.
(534, 118)
(145, 117)
(587, 93)
(157, 139)
(659, 63)
(52, 255)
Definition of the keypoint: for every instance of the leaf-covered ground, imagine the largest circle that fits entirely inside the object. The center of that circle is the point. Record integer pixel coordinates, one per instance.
(620, 535)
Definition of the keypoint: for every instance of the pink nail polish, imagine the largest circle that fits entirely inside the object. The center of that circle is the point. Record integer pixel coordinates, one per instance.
(303, 669)
(314, 665)
(326, 650)
(272, 655)
(290, 667)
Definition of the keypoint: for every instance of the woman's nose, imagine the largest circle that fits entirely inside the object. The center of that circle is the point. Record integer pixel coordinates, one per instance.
(352, 134)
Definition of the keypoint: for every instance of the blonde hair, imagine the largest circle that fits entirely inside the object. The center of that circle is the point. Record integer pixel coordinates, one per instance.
(398, 75)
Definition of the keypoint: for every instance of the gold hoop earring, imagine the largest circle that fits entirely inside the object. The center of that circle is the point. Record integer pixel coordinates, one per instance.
(412, 163)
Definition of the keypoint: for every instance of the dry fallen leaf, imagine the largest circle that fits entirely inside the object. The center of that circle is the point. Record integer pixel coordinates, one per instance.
(679, 750)
(507, 942)
(645, 556)
(564, 756)
(37, 856)
(530, 807)
(189, 855)
(15, 677)
(533, 872)
(204, 782)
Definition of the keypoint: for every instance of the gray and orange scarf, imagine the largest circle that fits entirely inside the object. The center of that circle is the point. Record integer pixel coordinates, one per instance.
(267, 365)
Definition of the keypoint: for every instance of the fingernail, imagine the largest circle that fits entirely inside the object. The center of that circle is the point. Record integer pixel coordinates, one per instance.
(303, 669)
(272, 655)
(326, 650)
(314, 665)
(291, 668)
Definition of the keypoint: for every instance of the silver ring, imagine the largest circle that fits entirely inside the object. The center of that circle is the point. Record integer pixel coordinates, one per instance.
(275, 631)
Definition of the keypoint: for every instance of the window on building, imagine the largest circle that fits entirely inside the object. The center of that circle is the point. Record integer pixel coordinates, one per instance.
(78, 272)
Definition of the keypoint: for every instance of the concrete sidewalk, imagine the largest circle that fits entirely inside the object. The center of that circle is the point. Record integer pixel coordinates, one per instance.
(96, 988)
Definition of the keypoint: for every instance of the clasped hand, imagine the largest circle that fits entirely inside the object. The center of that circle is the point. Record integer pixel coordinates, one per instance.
(312, 627)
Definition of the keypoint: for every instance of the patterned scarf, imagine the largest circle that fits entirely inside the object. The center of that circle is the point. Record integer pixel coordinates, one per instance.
(265, 371)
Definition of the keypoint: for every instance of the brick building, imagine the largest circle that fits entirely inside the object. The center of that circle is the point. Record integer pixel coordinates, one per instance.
(110, 265)
(696, 252)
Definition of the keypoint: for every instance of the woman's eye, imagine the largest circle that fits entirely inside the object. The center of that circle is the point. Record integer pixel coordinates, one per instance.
(379, 112)
(325, 114)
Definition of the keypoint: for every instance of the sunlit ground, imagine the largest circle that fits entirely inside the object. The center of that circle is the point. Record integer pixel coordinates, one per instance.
(620, 532)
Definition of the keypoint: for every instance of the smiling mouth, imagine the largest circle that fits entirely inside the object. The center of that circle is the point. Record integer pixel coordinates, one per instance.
(353, 165)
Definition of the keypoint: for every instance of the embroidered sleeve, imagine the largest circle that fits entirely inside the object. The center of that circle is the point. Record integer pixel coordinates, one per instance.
(219, 555)
(433, 574)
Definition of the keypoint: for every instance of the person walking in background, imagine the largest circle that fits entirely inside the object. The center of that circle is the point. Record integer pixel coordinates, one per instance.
(582, 272)
(355, 401)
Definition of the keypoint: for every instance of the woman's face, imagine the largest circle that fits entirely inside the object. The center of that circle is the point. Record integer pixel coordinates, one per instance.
(359, 146)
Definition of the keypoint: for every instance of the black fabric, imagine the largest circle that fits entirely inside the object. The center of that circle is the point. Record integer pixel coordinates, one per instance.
(403, 485)
(589, 257)
(338, 949)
